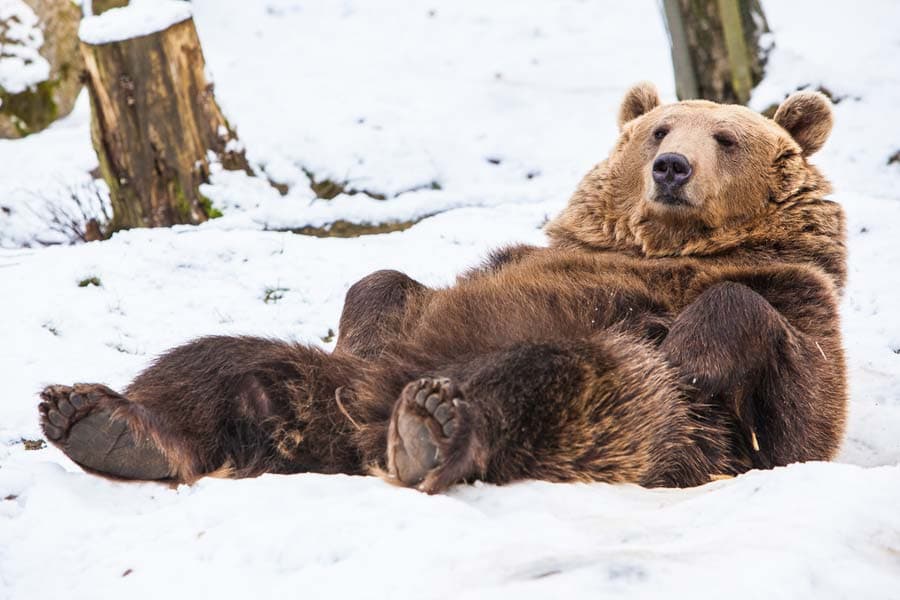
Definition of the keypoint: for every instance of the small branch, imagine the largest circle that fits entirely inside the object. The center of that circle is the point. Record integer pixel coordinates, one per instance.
(340, 405)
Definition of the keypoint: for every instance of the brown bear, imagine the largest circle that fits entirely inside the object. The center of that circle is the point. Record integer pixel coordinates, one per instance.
(681, 325)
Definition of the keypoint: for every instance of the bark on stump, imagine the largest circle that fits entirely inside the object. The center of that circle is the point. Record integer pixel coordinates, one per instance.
(154, 121)
(716, 50)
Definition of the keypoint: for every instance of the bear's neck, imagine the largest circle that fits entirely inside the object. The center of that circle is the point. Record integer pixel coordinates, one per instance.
(805, 229)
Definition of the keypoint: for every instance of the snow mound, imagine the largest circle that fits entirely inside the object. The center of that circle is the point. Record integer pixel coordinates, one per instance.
(21, 66)
(141, 17)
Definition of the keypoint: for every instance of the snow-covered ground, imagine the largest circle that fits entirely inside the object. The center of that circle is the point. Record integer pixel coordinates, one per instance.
(503, 105)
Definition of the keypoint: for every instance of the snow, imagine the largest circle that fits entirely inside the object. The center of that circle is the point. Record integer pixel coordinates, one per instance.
(21, 65)
(321, 536)
(138, 18)
(41, 174)
(393, 96)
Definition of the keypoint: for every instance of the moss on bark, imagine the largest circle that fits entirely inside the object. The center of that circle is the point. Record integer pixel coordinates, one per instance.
(31, 110)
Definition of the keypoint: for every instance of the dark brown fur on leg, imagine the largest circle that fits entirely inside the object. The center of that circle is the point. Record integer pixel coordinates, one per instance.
(603, 409)
(240, 407)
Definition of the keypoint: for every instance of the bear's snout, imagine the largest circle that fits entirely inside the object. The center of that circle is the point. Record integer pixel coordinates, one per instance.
(670, 172)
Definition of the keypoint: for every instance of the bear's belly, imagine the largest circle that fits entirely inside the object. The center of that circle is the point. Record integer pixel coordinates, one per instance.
(506, 310)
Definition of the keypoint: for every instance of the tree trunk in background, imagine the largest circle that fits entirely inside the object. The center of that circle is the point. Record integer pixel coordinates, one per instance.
(26, 111)
(154, 120)
(100, 6)
(716, 48)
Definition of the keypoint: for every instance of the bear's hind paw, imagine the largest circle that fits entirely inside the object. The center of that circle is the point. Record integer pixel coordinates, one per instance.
(79, 420)
(431, 444)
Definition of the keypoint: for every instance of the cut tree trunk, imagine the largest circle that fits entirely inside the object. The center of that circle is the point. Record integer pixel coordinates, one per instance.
(716, 48)
(154, 122)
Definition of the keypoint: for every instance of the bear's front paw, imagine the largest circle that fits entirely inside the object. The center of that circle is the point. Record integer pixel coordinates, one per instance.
(431, 443)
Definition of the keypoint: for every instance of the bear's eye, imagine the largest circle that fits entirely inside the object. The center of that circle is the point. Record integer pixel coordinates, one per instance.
(660, 133)
(724, 140)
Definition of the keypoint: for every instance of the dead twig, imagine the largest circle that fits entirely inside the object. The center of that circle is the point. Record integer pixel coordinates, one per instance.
(340, 404)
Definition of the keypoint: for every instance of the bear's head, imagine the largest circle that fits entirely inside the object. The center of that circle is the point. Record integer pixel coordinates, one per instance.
(696, 178)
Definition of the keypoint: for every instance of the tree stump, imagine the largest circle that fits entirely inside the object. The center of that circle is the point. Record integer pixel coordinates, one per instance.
(716, 49)
(39, 45)
(154, 122)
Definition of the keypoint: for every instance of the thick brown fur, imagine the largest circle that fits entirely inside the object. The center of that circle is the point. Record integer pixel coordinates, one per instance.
(651, 342)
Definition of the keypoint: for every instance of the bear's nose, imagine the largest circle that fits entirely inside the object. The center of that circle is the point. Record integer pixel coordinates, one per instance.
(671, 170)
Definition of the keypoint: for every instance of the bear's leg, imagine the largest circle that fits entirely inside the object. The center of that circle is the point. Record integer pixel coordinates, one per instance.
(373, 312)
(744, 358)
(603, 409)
(225, 406)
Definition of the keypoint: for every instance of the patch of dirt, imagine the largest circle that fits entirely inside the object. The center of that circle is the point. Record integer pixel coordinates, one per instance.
(34, 444)
(346, 229)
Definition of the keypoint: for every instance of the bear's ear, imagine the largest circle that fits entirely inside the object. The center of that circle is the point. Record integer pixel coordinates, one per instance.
(640, 99)
(807, 117)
